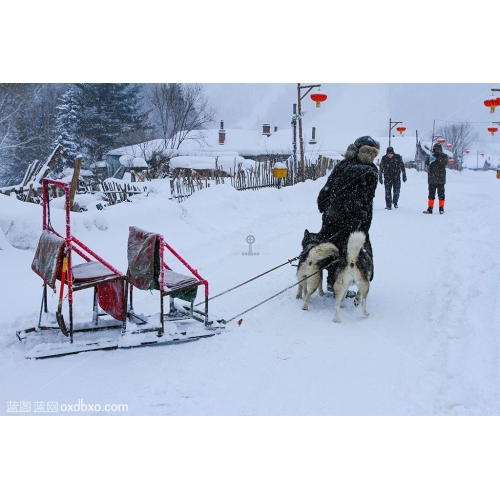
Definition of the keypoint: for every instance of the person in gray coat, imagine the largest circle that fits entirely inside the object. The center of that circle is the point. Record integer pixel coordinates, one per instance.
(391, 168)
(436, 177)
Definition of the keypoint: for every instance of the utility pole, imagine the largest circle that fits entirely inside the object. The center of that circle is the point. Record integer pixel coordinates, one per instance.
(434, 136)
(294, 144)
(391, 126)
(299, 110)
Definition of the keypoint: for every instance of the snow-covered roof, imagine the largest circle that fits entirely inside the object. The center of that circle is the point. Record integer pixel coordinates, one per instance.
(197, 162)
(245, 143)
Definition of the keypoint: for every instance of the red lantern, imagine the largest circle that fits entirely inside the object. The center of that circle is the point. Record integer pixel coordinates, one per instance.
(401, 130)
(467, 151)
(492, 130)
(441, 141)
(492, 103)
(451, 161)
(448, 146)
(318, 98)
(482, 154)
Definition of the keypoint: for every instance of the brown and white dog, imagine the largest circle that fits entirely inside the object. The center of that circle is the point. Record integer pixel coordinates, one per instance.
(309, 273)
(355, 268)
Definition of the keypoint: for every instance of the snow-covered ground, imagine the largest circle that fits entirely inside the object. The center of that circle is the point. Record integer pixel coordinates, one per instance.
(430, 346)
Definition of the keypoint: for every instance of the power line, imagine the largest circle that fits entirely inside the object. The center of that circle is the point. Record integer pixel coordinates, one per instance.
(462, 121)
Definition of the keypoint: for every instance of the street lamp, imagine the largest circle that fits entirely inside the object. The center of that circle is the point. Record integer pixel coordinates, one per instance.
(391, 126)
(460, 158)
(492, 130)
(477, 158)
(297, 115)
(435, 137)
(493, 102)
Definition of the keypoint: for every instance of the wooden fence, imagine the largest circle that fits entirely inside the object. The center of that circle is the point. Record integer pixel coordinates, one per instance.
(116, 192)
(184, 182)
(30, 187)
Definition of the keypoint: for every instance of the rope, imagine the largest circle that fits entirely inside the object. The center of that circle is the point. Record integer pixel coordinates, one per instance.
(329, 239)
(276, 294)
(289, 261)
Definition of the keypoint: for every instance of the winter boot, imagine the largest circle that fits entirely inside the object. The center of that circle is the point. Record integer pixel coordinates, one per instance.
(441, 206)
(430, 207)
(388, 207)
(395, 205)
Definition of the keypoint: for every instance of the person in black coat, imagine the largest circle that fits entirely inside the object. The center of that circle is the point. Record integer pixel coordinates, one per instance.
(436, 177)
(346, 200)
(391, 168)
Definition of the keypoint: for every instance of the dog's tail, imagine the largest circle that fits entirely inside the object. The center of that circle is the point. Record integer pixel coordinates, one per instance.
(354, 246)
(323, 251)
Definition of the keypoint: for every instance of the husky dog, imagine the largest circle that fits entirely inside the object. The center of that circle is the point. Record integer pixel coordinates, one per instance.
(355, 268)
(314, 256)
(309, 241)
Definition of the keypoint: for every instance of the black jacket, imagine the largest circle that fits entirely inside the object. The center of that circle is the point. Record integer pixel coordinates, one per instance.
(392, 168)
(436, 166)
(346, 200)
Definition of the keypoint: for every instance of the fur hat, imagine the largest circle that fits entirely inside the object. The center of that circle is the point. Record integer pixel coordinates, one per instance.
(390, 149)
(365, 149)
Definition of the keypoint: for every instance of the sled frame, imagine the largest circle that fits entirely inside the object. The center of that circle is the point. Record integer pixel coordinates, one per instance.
(72, 244)
(170, 290)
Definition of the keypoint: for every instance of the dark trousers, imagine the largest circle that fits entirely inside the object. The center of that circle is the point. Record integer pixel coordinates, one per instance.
(392, 190)
(432, 191)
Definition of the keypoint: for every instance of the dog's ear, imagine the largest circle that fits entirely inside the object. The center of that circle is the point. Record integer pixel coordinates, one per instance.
(306, 233)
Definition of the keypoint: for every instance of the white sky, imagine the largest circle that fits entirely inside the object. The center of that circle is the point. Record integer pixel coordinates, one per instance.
(360, 108)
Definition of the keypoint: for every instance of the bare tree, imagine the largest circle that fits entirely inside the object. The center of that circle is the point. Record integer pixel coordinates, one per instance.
(461, 136)
(152, 152)
(15, 100)
(180, 109)
(14, 97)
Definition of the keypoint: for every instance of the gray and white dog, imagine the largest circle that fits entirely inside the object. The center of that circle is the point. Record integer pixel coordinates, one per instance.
(316, 254)
(354, 268)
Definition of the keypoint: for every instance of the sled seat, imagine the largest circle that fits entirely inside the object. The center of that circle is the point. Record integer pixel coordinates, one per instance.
(47, 263)
(176, 282)
(148, 270)
(92, 273)
(110, 289)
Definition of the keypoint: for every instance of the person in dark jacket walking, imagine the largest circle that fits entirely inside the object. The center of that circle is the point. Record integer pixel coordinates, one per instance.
(436, 177)
(346, 200)
(391, 169)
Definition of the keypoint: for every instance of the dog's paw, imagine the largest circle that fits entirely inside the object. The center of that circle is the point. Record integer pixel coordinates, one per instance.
(357, 299)
(336, 319)
(305, 307)
(366, 313)
(321, 293)
(298, 296)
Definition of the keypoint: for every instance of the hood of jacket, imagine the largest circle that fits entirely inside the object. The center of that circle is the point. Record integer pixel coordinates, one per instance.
(364, 149)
